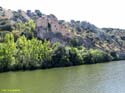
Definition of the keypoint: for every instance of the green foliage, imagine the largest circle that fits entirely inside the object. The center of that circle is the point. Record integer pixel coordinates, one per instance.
(75, 56)
(29, 29)
(26, 28)
(24, 54)
(60, 57)
(114, 55)
(99, 56)
(2, 35)
(7, 52)
(30, 25)
(76, 41)
(32, 54)
(86, 57)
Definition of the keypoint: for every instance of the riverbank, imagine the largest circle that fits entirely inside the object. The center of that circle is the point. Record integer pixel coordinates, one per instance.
(43, 41)
(33, 54)
(45, 68)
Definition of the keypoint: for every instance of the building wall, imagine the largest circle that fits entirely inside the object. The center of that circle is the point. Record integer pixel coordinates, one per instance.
(42, 22)
(55, 26)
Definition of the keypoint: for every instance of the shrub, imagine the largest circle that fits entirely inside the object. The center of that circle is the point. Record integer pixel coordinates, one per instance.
(60, 57)
(75, 56)
(98, 56)
(76, 41)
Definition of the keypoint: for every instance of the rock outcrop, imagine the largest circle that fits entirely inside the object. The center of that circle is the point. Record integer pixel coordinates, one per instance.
(67, 33)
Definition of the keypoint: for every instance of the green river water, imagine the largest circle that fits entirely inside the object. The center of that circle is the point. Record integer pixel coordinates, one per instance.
(97, 78)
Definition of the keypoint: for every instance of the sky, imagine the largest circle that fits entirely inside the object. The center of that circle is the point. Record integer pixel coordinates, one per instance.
(102, 13)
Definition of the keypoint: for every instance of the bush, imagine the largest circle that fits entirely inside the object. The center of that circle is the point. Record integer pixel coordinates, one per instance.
(114, 55)
(76, 41)
(75, 56)
(67, 56)
(60, 57)
(98, 56)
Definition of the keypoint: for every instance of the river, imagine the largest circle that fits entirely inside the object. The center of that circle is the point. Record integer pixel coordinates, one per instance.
(97, 78)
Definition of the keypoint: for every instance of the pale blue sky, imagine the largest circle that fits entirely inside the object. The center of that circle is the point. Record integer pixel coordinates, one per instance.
(102, 13)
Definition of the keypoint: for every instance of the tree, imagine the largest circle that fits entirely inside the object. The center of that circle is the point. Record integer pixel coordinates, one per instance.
(38, 13)
(33, 53)
(76, 41)
(60, 57)
(7, 52)
(29, 29)
(75, 56)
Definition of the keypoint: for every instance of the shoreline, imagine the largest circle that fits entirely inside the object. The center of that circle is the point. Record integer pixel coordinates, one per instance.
(22, 70)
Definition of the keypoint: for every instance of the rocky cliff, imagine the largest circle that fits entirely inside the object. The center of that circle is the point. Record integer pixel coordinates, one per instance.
(75, 33)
